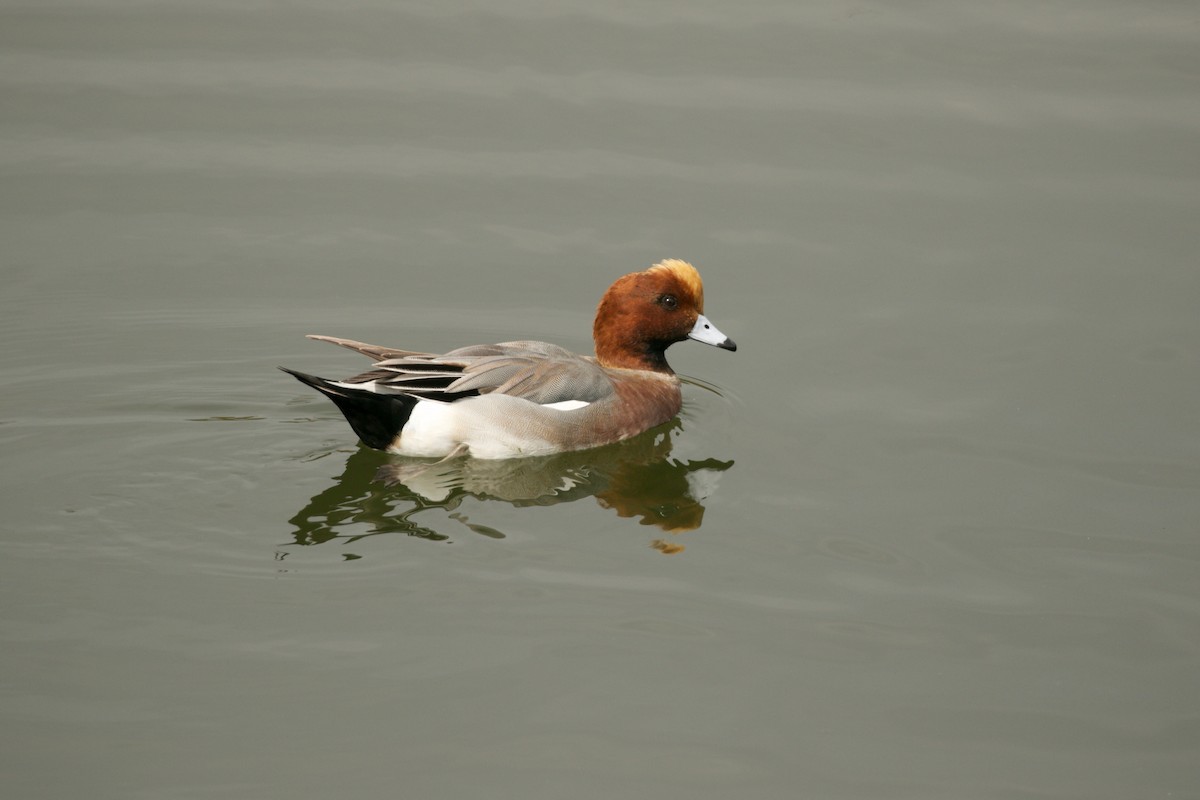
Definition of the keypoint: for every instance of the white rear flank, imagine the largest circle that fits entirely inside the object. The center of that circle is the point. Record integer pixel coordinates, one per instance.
(433, 429)
(489, 426)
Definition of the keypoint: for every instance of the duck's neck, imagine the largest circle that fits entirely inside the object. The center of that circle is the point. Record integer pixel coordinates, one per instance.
(630, 356)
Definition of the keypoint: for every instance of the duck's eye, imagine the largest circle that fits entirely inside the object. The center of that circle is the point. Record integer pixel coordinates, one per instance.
(669, 301)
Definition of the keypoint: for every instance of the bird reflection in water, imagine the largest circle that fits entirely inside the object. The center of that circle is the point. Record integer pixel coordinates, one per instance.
(636, 478)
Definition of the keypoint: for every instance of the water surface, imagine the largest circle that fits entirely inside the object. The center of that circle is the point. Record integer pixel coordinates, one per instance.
(930, 533)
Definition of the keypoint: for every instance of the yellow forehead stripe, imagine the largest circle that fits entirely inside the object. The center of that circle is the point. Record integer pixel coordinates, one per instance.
(686, 274)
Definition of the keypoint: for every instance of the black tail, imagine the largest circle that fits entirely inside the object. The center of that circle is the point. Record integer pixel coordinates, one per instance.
(376, 418)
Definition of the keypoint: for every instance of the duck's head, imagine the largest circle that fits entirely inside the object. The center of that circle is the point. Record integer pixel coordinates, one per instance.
(644, 313)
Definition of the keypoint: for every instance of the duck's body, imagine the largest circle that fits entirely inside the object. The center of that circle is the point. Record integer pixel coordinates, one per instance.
(530, 398)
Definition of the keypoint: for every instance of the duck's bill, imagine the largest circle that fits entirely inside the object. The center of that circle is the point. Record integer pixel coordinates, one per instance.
(705, 331)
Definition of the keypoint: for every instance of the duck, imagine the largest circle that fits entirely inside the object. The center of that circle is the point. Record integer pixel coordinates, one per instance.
(531, 398)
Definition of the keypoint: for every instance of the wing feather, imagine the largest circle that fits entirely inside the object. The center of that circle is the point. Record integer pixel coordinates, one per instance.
(540, 372)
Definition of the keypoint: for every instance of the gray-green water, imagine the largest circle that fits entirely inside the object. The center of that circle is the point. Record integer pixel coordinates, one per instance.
(940, 519)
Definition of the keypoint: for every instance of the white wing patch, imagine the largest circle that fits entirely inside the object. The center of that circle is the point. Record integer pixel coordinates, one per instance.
(567, 405)
(369, 386)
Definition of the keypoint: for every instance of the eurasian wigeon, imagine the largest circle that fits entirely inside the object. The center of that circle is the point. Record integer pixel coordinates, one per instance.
(530, 398)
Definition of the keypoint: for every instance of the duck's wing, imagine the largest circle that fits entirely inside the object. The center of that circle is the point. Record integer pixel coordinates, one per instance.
(539, 372)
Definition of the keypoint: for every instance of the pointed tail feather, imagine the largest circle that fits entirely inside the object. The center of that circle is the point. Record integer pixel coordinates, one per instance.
(373, 351)
(376, 418)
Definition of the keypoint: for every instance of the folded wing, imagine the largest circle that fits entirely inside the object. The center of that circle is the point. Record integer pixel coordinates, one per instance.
(539, 372)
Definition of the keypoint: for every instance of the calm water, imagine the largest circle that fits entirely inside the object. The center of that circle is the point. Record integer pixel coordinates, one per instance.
(932, 532)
